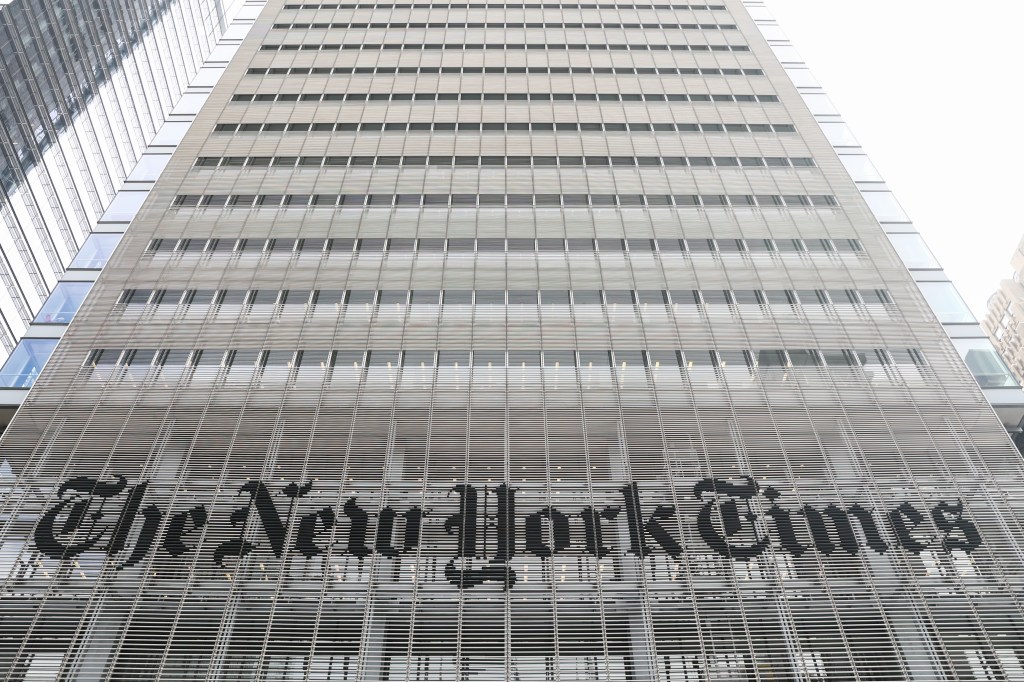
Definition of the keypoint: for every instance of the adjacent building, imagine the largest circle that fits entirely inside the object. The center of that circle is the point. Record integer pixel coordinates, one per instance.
(90, 96)
(1005, 310)
(519, 341)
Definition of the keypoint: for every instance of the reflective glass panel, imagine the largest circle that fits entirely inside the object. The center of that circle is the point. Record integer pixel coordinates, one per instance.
(988, 368)
(839, 134)
(124, 207)
(860, 168)
(96, 250)
(914, 252)
(63, 302)
(946, 302)
(25, 363)
(885, 207)
(149, 167)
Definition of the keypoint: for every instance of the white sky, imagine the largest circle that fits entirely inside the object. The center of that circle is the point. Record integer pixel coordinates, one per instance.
(934, 92)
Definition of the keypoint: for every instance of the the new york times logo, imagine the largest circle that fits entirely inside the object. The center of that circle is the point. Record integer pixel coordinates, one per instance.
(736, 519)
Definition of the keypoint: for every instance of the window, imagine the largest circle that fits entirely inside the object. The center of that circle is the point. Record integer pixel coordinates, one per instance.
(63, 302)
(646, 161)
(587, 297)
(820, 104)
(554, 297)
(509, 96)
(885, 207)
(804, 358)
(278, 47)
(732, 359)
(242, 362)
(748, 297)
(150, 166)
(504, 5)
(860, 168)
(839, 135)
(484, 245)
(389, 201)
(716, 297)
(493, 25)
(914, 252)
(510, 126)
(772, 358)
(490, 297)
(840, 358)
(453, 297)
(986, 366)
(946, 302)
(25, 362)
(270, 297)
(96, 251)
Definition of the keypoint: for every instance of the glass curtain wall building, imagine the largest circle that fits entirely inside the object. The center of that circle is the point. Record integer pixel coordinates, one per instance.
(508, 341)
(84, 88)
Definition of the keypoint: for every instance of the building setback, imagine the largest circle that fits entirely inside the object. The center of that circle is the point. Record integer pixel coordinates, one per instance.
(507, 341)
(90, 93)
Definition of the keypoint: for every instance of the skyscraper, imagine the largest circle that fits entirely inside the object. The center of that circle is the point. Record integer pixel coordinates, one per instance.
(998, 384)
(522, 341)
(92, 97)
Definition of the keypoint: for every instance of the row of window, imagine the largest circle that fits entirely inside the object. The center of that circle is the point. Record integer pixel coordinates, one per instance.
(498, 5)
(483, 359)
(504, 161)
(504, 126)
(595, 70)
(501, 25)
(494, 97)
(628, 297)
(494, 245)
(462, 47)
(500, 200)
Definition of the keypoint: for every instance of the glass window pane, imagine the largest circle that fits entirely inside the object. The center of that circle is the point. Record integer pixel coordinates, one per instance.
(988, 368)
(946, 302)
(771, 358)
(96, 251)
(802, 78)
(860, 168)
(124, 206)
(171, 134)
(457, 297)
(885, 207)
(804, 358)
(786, 53)
(63, 303)
(149, 167)
(820, 104)
(839, 135)
(914, 252)
(697, 358)
(25, 362)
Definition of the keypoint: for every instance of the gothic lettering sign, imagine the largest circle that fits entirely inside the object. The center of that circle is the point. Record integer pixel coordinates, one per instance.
(737, 519)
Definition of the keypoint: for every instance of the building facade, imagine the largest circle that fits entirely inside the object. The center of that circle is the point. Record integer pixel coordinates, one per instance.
(1000, 386)
(1005, 311)
(85, 88)
(519, 341)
